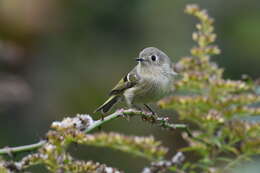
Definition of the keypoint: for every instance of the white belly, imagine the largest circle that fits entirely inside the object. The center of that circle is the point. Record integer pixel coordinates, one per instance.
(148, 91)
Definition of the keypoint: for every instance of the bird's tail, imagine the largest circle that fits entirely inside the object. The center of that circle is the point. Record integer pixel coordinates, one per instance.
(104, 108)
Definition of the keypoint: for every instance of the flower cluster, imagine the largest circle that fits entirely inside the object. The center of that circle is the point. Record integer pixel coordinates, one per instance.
(164, 165)
(73, 130)
(3, 168)
(213, 104)
(146, 147)
(53, 153)
(80, 122)
(64, 163)
(248, 134)
(204, 36)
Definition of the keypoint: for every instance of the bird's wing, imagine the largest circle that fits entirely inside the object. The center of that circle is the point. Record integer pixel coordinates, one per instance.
(128, 81)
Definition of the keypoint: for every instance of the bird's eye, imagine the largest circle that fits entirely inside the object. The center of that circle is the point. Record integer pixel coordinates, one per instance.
(153, 57)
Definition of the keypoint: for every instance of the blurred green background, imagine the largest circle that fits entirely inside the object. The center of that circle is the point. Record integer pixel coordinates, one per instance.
(59, 58)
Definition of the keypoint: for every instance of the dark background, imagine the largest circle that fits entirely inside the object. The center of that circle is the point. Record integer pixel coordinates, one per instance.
(59, 58)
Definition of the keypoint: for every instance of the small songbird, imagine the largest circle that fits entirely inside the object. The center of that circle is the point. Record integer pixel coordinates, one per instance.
(150, 80)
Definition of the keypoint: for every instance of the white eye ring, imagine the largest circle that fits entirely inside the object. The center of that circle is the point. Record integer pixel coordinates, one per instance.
(153, 57)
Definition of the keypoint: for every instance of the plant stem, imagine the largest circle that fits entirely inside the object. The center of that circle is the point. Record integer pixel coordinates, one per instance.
(10, 150)
(146, 116)
(98, 123)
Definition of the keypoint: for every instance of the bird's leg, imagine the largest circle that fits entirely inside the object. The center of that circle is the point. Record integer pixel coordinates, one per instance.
(150, 109)
(102, 116)
(102, 119)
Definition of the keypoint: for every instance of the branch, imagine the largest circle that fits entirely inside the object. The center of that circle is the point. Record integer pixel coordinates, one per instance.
(10, 150)
(146, 116)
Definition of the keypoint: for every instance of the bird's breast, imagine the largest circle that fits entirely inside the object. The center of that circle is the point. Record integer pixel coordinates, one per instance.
(149, 89)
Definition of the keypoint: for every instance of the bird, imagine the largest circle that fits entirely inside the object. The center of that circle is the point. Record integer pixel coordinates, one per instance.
(150, 80)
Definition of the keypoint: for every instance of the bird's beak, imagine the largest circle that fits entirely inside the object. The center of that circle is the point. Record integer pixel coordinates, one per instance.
(139, 59)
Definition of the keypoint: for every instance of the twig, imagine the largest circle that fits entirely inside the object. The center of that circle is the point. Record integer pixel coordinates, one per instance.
(100, 122)
(10, 150)
(146, 116)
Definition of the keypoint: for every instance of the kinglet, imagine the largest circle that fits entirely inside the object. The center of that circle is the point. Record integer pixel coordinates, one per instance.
(149, 81)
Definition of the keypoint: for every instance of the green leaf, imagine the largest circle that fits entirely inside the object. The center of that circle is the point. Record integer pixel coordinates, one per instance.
(225, 159)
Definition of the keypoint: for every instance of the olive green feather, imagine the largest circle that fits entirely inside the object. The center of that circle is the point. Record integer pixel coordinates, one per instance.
(116, 93)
